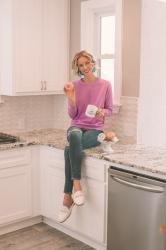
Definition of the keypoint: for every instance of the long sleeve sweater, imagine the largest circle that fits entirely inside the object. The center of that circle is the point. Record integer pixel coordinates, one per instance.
(98, 93)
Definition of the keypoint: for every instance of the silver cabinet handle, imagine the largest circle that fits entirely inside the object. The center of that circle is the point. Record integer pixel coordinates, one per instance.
(41, 85)
(139, 186)
(45, 85)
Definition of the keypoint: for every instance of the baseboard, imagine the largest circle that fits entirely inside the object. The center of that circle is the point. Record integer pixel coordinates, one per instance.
(20, 224)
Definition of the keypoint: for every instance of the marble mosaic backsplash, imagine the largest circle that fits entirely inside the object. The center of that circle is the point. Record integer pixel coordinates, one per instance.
(26, 112)
(125, 122)
(37, 112)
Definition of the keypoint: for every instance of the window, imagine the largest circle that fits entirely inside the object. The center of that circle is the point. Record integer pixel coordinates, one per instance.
(106, 46)
(101, 35)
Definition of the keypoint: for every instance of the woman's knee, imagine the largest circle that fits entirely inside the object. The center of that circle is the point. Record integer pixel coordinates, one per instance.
(90, 139)
(75, 135)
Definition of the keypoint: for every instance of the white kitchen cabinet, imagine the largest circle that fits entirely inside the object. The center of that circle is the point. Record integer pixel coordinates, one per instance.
(34, 46)
(88, 220)
(32, 182)
(15, 185)
(52, 180)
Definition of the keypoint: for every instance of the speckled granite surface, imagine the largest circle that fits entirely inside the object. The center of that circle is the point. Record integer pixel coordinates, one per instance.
(138, 156)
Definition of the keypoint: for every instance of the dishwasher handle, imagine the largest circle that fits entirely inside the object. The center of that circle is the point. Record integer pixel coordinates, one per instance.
(139, 186)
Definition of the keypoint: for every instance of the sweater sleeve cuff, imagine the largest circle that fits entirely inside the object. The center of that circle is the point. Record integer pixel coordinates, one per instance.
(72, 110)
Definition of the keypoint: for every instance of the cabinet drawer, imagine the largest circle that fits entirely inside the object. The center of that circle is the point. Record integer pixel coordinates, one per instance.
(12, 158)
(15, 194)
(94, 168)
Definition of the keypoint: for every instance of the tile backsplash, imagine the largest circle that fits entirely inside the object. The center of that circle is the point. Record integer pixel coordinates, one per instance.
(37, 112)
(26, 112)
(125, 122)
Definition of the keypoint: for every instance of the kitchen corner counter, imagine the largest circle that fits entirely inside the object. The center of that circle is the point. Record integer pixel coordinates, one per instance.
(124, 152)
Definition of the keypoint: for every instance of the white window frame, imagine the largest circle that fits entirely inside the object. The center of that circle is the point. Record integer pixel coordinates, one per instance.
(89, 10)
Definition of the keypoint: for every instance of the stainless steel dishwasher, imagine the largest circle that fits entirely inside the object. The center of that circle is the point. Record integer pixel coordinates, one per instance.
(136, 211)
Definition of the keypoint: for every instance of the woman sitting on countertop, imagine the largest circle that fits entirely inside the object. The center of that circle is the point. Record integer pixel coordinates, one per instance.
(89, 102)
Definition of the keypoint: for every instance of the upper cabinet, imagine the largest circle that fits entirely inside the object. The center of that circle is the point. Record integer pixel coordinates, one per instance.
(33, 46)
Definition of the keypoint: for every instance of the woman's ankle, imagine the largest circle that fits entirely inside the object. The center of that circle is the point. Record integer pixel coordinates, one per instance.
(67, 200)
(77, 185)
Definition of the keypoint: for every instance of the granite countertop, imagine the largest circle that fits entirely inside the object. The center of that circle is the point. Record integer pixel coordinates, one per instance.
(124, 152)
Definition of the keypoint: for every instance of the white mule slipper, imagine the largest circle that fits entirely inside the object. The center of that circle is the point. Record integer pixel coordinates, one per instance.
(64, 213)
(78, 198)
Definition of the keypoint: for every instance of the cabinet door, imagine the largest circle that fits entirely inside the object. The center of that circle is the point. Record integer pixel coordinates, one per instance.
(27, 45)
(55, 43)
(52, 181)
(89, 219)
(15, 193)
(54, 185)
(34, 46)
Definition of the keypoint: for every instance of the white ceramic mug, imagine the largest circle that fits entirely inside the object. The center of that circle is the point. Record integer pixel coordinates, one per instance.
(91, 110)
(101, 137)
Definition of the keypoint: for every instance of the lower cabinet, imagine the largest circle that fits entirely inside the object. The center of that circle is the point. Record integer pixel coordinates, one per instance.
(32, 183)
(15, 185)
(88, 220)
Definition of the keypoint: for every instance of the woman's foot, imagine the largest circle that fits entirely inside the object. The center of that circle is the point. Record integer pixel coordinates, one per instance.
(66, 209)
(78, 198)
(78, 195)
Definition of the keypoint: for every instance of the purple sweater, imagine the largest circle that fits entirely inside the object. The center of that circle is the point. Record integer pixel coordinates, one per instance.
(98, 93)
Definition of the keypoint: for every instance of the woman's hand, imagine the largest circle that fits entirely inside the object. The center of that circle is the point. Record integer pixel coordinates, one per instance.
(69, 92)
(109, 136)
(100, 113)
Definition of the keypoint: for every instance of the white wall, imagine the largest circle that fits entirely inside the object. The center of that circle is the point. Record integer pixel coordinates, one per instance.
(152, 107)
(131, 47)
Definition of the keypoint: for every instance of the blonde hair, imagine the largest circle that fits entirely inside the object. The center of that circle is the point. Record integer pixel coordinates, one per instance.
(82, 53)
